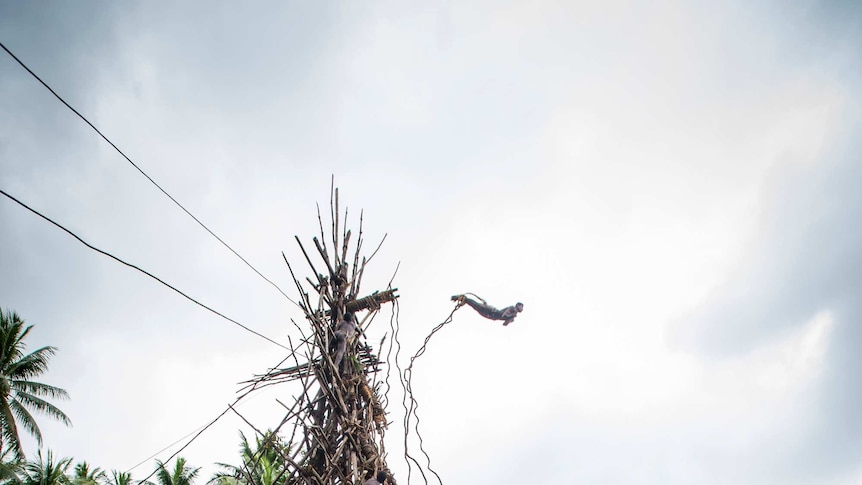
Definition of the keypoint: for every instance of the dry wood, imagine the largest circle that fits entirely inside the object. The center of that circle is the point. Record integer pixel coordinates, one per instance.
(338, 422)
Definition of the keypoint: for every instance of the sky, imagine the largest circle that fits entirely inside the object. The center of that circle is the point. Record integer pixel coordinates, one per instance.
(669, 187)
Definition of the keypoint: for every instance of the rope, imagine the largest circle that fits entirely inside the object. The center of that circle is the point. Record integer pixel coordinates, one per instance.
(411, 405)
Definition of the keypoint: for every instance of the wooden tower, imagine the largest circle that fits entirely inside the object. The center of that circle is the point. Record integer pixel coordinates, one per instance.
(333, 430)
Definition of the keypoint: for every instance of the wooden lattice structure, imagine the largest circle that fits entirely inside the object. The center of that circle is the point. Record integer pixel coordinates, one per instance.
(336, 425)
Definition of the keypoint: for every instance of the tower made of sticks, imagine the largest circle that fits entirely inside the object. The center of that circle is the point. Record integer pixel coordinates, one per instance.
(336, 423)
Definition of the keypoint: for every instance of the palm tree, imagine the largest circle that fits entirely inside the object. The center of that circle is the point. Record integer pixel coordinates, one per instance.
(182, 474)
(119, 478)
(85, 476)
(18, 393)
(223, 479)
(262, 466)
(9, 469)
(43, 471)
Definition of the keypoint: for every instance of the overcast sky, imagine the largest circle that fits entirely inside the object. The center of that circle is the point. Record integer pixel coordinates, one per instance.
(671, 188)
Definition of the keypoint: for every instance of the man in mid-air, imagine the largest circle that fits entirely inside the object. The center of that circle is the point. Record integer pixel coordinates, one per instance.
(507, 314)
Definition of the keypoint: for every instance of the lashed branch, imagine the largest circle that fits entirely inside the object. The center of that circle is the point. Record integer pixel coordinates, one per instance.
(337, 418)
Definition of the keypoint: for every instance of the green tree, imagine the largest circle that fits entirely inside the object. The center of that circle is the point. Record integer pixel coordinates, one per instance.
(85, 476)
(263, 465)
(181, 475)
(119, 478)
(19, 394)
(223, 480)
(10, 467)
(44, 471)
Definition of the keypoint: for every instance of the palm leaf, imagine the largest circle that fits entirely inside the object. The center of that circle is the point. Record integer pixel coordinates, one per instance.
(25, 419)
(19, 395)
(32, 364)
(43, 471)
(43, 407)
(39, 389)
(120, 478)
(9, 429)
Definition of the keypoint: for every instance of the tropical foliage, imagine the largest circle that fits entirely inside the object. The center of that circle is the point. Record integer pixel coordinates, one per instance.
(263, 465)
(9, 469)
(85, 476)
(45, 471)
(182, 474)
(19, 393)
(119, 478)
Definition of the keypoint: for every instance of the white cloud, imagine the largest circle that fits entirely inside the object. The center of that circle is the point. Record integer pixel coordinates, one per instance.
(604, 164)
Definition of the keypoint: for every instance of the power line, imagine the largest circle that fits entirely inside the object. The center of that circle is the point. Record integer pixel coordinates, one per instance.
(85, 243)
(206, 426)
(85, 120)
(201, 427)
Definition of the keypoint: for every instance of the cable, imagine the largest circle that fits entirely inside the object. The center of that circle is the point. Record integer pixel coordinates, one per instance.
(207, 426)
(85, 120)
(166, 447)
(85, 243)
(201, 427)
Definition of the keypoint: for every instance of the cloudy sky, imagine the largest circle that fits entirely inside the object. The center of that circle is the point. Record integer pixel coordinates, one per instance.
(671, 188)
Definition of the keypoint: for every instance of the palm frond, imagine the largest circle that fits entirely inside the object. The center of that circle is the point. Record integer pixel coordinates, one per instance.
(43, 470)
(120, 478)
(25, 419)
(19, 395)
(33, 364)
(228, 471)
(85, 476)
(183, 474)
(42, 406)
(9, 429)
(162, 475)
(39, 389)
(10, 337)
(9, 471)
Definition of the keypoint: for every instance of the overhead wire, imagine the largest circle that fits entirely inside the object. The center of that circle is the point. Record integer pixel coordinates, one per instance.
(91, 125)
(167, 447)
(130, 265)
(201, 429)
(198, 221)
(207, 426)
